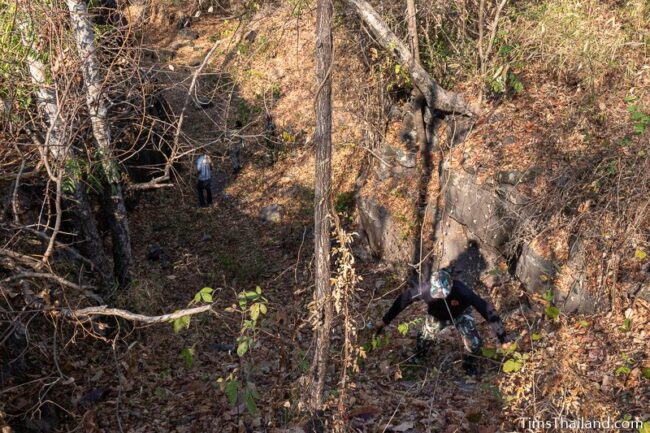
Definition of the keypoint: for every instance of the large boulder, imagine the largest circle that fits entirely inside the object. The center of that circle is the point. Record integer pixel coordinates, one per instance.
(534, 271)
(386, 235)
(486, 211)
(571, 288)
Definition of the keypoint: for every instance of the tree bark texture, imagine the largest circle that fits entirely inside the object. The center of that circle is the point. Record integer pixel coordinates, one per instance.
(89, 242)
(411, 12)
(113, 198)
(323, 142)
(437, 98)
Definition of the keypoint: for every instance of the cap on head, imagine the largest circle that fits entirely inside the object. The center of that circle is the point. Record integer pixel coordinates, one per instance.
(440, 284)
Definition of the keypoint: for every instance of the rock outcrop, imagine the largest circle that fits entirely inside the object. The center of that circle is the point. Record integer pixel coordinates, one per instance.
(479, 225)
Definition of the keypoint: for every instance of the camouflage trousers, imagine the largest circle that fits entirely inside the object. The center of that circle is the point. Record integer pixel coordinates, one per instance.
(464, 322)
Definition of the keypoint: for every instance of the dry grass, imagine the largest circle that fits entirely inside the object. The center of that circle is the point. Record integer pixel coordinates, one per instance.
(584, 42)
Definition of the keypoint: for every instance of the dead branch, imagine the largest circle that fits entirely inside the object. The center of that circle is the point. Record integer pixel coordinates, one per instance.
(47, 276)
(104, 310)
(436, 97)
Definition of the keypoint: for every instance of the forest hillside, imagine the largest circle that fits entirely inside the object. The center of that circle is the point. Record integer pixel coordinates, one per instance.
(354, 149)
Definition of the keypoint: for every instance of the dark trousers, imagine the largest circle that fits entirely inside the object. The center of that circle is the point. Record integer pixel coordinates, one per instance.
(201, 186)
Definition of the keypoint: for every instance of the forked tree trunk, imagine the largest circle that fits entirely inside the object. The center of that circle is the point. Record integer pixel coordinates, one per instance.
(113, 198)
(323, 141)
(437, 98)
(423, 143)
(56, 150)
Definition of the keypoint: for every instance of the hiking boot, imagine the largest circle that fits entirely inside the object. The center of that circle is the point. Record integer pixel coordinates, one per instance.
(469, 365)
(422, 347)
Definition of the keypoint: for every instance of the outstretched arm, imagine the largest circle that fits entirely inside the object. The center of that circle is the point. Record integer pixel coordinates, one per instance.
(404, 300)
(484, 308)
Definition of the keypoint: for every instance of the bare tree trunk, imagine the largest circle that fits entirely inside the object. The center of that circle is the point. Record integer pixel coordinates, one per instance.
(412, 21)
(56, 148)
(323, 141)
(113, 197)
(436, 97)
(423, 142)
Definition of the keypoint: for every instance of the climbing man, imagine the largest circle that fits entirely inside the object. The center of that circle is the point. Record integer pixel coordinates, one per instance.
(204, 172)
(449, 303)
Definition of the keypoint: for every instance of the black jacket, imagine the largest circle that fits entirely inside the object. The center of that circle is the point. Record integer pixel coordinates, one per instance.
(456, 302)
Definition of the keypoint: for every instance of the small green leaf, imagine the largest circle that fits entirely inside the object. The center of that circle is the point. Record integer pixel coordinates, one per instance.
(255, 311)
(646, 372)
(403, 328)
(489, 352)
(639, 254)
(242, 348)
(188, 356)
(258, 290)
(180, 323)
(535, 337)
(622, 371)
(263, 309)
(548, 295)
(251, 296)
(627, 325)
(250, 403)
(583, 324)
(511, 366)
(552, 312)
(232, 389)
(206, 294)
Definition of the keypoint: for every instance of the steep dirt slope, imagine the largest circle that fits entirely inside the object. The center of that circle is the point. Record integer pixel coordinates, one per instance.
(261, 84)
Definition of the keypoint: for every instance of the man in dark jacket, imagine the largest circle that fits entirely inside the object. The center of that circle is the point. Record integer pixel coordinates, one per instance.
(449, 303)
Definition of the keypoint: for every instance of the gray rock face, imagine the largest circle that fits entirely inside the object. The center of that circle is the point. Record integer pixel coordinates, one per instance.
(484, 212)
(577, 299)
(534, 271)
(476, 229)
(405, 159)
(272, 213)
(384, 236)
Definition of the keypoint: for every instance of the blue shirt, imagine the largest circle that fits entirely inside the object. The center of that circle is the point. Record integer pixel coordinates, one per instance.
(203, 167)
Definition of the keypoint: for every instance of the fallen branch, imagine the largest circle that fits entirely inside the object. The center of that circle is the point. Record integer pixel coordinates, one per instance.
(436, 97)
(104, 310)
(46, 276)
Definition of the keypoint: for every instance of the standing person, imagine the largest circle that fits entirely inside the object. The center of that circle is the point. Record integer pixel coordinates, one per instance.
(204, 172)
(449, 303)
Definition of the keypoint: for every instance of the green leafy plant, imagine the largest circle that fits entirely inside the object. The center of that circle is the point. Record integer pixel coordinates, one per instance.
(183, 322)
(551, 311)
(251, 305)
(627, 325)
(640, 119)
(188, 356)
(489, 352)
(512, 365)
(204, 295)
(403, 328)
(625, 369)
(516, 361)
